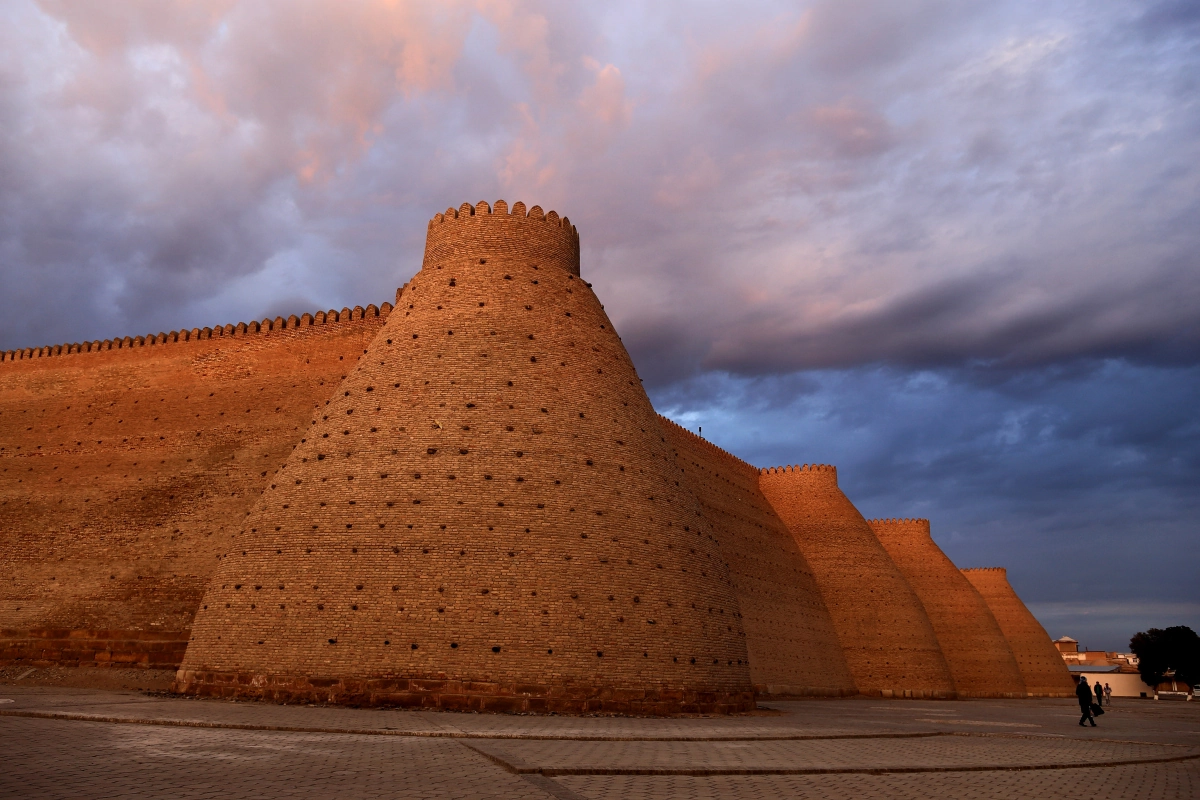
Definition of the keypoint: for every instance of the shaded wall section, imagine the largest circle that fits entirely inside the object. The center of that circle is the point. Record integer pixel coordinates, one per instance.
(487, 515)
(1042, 667)
(126, 465)
(981, 662)
(888, 641)
(793, 647)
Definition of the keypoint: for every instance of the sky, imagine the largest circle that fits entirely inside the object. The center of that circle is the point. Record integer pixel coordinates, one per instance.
(951, 248)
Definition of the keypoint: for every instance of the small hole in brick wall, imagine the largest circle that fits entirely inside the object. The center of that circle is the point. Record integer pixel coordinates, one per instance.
(395, 587)
(533, 359)
(414, 647)
(333, 641)
(454, 645)
(320, 606)
(496, 649)
(385, 641)
(510, 383)
(508, 427)
(481, 305)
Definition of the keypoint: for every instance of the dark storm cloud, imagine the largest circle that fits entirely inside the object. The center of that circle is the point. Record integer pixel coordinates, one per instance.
(1078, 478)
(908, 235)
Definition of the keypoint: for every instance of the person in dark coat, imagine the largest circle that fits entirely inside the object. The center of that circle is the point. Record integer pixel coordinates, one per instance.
(1099, 690)
(1084, 693)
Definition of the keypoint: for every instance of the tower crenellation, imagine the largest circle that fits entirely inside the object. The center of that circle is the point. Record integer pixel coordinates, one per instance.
(476, 234)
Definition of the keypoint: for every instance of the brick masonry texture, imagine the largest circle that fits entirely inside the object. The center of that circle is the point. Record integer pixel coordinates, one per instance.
(1042, 667)
(793, 647)
(45, 647)
(885, 634)
(126, 466)
(485, 515)
(981, 662)
(465, 501)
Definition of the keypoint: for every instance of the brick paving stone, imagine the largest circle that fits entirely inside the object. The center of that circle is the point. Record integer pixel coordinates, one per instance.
(1178, 781)
(1136, 720)
(83, 759)
(65, 759)
(937, 752)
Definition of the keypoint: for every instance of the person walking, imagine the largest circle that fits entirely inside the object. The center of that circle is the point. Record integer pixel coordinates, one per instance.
(1107, 695)
(1084, 693)
(1099, 694)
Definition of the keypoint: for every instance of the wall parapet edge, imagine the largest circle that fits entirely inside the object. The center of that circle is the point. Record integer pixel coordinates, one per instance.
(466, 210)
(824, 470)
(238, 330)
(984, 569)
(904, 526)
(707, 444)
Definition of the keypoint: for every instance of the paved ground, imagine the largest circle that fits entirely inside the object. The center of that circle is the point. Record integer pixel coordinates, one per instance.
(76, 743)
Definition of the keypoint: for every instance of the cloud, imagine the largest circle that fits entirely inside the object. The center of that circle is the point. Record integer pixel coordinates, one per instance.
(913, 238)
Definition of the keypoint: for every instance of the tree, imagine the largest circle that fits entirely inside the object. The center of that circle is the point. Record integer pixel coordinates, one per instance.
(1158, 651)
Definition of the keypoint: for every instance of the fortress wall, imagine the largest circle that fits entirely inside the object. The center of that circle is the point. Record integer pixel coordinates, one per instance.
(1042, 667)
(792, 644)
(981, 662)
(125, 466)
(487, 515)
(888, 641)
(47, 647)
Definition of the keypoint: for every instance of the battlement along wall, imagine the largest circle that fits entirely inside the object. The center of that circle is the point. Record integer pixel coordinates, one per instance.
(126, 465)
(1042, 667)
(793, 647)
(486, 516)
(981, 662)
(888, 641)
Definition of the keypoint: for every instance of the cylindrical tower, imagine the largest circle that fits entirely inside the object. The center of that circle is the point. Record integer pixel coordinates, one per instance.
(885, 634)
(1042, 667)
(484, 515)
(981, 662)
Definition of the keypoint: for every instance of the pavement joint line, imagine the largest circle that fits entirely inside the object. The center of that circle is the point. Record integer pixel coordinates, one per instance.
(519, 767)
(460, 734)
(552, 787)
(448, 731)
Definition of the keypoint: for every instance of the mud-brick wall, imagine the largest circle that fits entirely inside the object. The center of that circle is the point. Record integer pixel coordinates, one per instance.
(980, 659)
(43, 647)
(126, 464)
(886, 636)
(1042, 668)
(790, 638)
(487, 515)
